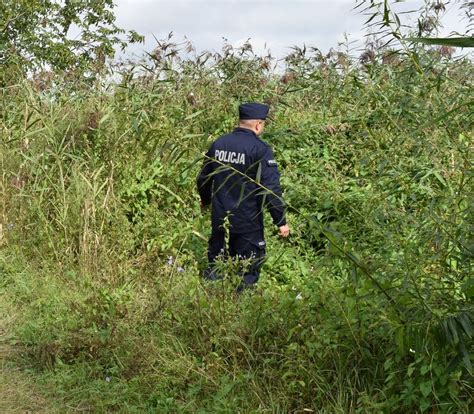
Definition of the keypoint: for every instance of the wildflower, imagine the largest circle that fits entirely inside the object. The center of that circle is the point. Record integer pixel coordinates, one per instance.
(180, 269)
(108, 379)
(299, 297)
(170, 261)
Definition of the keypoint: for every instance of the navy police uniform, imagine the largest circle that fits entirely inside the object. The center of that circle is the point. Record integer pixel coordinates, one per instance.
(239, 178)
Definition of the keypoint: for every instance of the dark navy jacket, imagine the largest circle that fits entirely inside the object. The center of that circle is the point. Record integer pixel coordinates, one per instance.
(234, 164)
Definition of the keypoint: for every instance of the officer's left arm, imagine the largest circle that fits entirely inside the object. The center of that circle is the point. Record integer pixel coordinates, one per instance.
(270, 180)
(205, 179)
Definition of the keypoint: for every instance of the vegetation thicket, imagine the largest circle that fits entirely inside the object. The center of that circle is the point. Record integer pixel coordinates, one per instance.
(368, 307)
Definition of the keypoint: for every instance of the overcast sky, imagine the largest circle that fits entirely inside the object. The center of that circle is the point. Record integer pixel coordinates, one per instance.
(278, 24)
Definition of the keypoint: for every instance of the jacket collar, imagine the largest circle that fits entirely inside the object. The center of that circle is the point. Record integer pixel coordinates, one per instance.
(245, 130)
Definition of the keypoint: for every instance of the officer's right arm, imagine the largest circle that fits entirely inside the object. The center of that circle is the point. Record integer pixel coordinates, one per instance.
(205, 178)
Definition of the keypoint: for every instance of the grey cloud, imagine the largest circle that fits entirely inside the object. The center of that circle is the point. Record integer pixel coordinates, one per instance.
(279, 23)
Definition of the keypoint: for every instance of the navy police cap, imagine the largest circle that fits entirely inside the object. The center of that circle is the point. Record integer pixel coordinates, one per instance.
(253, 110)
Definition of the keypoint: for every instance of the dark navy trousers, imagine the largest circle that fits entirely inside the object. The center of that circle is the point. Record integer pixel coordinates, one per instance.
(242, 245)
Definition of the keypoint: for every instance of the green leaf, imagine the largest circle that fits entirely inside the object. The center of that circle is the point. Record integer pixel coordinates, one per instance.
(466, 358)
(424, 369)
(188, 136)
(425, 388)
(371, 18)
(466, 323)
(440, 178)
(424, 405)
(468, 288)
(194, 115)
(444, 41)
(453, 330)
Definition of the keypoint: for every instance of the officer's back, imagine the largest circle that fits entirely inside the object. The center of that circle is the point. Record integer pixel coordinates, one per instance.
(237, 170)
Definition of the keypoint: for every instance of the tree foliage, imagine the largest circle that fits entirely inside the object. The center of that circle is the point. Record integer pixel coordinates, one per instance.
(64, 35)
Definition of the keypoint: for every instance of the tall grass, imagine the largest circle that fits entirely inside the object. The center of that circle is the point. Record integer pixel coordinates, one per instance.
(368, 306)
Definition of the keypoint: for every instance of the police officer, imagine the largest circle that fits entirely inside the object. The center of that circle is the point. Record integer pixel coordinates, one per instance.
(239, 178)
